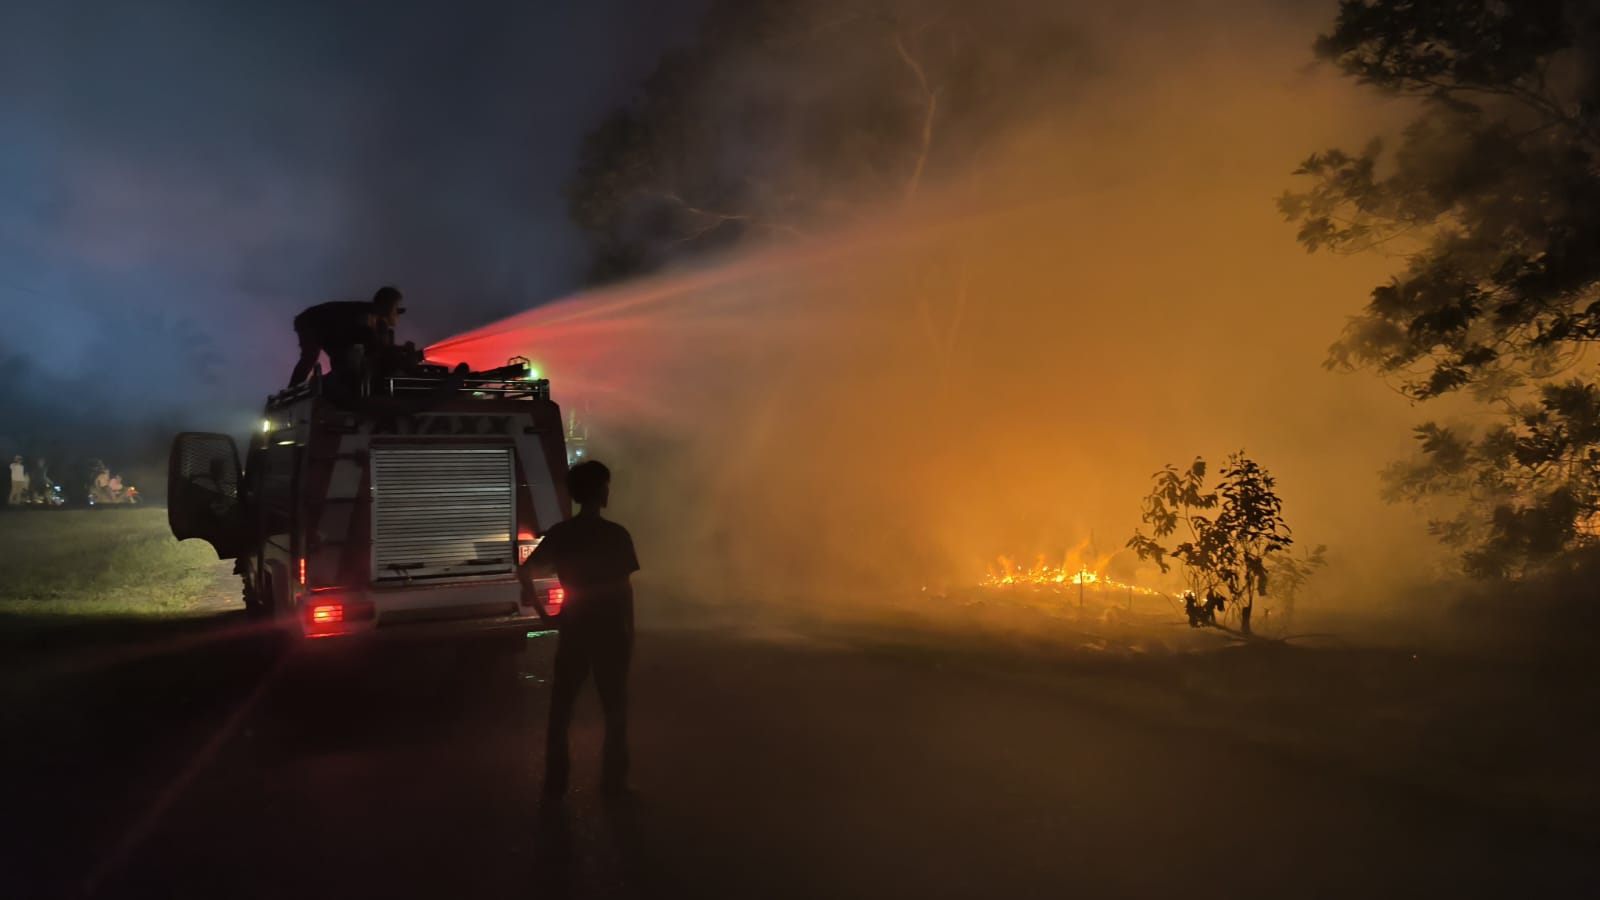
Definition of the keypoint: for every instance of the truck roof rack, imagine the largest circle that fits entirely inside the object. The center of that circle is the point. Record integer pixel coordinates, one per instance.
(509, 382)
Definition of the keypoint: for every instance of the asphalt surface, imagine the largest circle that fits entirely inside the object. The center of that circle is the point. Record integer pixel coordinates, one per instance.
(215, 762)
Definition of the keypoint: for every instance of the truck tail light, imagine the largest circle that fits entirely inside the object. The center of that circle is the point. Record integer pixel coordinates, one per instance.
(323, 616)
(554, 598)
(302, 571)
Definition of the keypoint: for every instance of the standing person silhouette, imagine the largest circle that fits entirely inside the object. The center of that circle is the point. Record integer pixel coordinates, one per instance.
(594, 559)
(19, 482)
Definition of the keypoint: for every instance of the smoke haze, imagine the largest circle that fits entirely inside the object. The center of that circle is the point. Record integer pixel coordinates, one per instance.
(180, 178)
(999, 369)
(993, 370)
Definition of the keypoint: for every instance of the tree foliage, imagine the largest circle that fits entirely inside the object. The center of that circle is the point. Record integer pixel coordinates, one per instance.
(1181, 502)
(1227, 550)
(1492, 194)
(1289, 575)
(784, 116)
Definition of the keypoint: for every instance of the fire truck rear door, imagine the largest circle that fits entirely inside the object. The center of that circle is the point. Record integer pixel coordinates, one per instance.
(203, 492)
(442, 513)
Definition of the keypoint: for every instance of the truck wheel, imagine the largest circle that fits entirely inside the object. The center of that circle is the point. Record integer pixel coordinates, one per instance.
(282, 610)
(258, 601)
(270, 606)
(252, 600)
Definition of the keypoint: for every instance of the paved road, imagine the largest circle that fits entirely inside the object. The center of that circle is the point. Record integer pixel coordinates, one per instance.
(768, 765)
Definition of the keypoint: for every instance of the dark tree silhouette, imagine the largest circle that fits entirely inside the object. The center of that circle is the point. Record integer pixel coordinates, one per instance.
(1178, 500)
(785, 116)
(1252, 519)
(1492, 195)
(1229, 551)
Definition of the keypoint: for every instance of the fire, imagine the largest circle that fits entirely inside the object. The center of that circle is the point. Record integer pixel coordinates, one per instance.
(1006, 572)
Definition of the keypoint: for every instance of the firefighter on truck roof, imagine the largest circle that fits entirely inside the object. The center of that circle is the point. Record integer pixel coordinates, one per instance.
(350, 331)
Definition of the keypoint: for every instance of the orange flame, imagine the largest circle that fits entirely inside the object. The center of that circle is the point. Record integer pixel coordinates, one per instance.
(1007, 573)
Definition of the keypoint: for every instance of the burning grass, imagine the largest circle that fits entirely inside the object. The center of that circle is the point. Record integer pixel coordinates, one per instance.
(1069, 573)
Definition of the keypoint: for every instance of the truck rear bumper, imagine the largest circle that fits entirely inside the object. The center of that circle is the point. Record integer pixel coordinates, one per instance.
(426, 613)
(495, 628)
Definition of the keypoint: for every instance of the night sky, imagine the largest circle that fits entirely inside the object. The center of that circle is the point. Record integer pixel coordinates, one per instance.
(238, 161)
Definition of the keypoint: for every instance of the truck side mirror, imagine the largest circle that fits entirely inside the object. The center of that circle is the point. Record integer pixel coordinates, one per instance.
(203, 492)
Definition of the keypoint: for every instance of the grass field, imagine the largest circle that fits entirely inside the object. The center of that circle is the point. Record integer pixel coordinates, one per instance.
(1513, 728)
(111, 562)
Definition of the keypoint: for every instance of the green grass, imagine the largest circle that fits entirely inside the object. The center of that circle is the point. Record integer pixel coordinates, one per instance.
(111, 562)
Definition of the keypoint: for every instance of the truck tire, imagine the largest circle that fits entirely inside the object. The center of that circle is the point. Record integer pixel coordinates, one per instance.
(252, 600)
(257, 599)
(269, 598)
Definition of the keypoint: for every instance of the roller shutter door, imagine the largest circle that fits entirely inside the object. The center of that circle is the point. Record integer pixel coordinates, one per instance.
(442, 513)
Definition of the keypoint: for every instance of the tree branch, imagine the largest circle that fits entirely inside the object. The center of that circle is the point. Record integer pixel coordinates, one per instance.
(714, 218)
(930, 103)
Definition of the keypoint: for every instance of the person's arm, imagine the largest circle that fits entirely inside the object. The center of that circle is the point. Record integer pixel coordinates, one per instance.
(542, 561)
(630, 565)
(627, 600)
(633, 557)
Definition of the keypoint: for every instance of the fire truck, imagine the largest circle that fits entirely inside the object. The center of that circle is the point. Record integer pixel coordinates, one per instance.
(403, 505)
